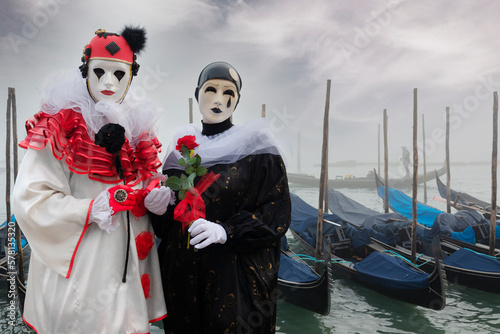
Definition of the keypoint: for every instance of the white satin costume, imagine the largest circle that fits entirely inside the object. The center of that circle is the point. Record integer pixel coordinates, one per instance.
(75, 275)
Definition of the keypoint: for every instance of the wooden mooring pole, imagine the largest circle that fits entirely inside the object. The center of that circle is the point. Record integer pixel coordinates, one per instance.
(190, 110)
(415, 181)
(448, 177)
(386, 166)
(323, 182)
(378, 155)
(12, 124)
(494, 160)
(425, 161)
(298, 152)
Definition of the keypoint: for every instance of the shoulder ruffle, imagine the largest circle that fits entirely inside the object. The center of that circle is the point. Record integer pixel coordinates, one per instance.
(67, 133)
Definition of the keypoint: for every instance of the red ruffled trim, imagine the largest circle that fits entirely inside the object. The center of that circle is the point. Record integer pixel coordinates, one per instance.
(67, 133)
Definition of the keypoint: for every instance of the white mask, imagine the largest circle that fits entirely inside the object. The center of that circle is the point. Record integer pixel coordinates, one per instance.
(217, 100)
(108, 80)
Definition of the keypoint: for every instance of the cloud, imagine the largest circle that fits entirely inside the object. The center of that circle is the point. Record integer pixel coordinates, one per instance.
(375, 54)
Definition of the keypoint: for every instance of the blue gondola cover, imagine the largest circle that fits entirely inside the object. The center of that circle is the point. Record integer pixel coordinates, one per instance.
(390, 272)
(467, 259)
(402, 203)
(292, 270)
(467, 235)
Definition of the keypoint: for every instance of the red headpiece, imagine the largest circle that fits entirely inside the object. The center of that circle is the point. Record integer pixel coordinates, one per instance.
(111, 46)
(108, 46)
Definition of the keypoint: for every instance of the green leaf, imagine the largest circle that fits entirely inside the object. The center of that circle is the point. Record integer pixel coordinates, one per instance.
(190, 170)
(191, 180)
(192, 161)
(201, 171)
(182, 194)
(182, 162)
(184, 181)
(174, 183)
(185, 152)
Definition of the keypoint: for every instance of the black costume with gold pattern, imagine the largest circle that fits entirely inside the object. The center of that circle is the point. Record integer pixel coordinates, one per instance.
(231, 287)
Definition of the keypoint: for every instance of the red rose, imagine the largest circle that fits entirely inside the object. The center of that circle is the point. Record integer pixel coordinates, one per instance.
(188, 141)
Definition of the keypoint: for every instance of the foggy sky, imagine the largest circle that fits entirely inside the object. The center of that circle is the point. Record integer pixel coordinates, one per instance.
(374, 52)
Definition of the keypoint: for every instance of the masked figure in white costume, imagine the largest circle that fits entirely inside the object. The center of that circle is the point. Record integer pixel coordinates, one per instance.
(82, 194)
(226, 282)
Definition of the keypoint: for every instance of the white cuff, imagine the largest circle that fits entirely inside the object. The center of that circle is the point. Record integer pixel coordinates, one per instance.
(101, 213)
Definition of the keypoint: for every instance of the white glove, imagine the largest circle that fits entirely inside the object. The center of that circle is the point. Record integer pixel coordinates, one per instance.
(158, 199)
(208, 232)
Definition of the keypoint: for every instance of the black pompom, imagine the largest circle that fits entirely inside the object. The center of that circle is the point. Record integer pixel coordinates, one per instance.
(135, 37)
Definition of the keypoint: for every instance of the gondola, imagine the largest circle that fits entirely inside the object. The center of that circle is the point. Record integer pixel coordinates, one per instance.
(463, 201)
(4, 257)
(367, 182)
(465, 228)
(8, 269)
(462, 198)
(354, 257)
(301, 285)
(462, 265)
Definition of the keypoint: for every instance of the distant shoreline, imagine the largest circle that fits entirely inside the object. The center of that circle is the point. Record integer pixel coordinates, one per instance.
(353, 163)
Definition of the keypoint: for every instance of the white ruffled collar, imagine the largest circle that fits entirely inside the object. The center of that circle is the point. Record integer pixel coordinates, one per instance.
(67, 90)
(226, 147)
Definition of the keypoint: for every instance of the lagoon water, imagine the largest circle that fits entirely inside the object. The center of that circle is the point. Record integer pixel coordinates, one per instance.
(355, 309)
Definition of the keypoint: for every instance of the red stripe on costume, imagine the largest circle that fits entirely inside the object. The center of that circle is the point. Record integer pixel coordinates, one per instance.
(29, 325)
(158, 319)
(87, 224)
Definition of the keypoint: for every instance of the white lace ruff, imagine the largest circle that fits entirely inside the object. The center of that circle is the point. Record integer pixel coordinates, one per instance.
(255, 137)
(68, 90)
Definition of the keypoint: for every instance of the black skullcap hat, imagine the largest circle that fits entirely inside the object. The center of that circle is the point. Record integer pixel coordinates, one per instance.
(218, 70)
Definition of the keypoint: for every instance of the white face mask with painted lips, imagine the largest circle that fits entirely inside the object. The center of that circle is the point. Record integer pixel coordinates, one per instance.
(108, 80)
(217, 100)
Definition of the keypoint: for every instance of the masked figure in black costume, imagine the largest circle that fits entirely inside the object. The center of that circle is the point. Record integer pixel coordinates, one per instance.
(227, 282)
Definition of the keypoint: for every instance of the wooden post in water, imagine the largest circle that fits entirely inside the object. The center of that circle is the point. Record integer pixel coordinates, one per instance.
(494, 159)
(20, 256)
(386, 166)
(323, 181)
(448, 195)
(263, 112)
(415, 181)
(12, 124)
(425, 161)
(378, 155)
(190, 110)
(298, 152)
(8, 128)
